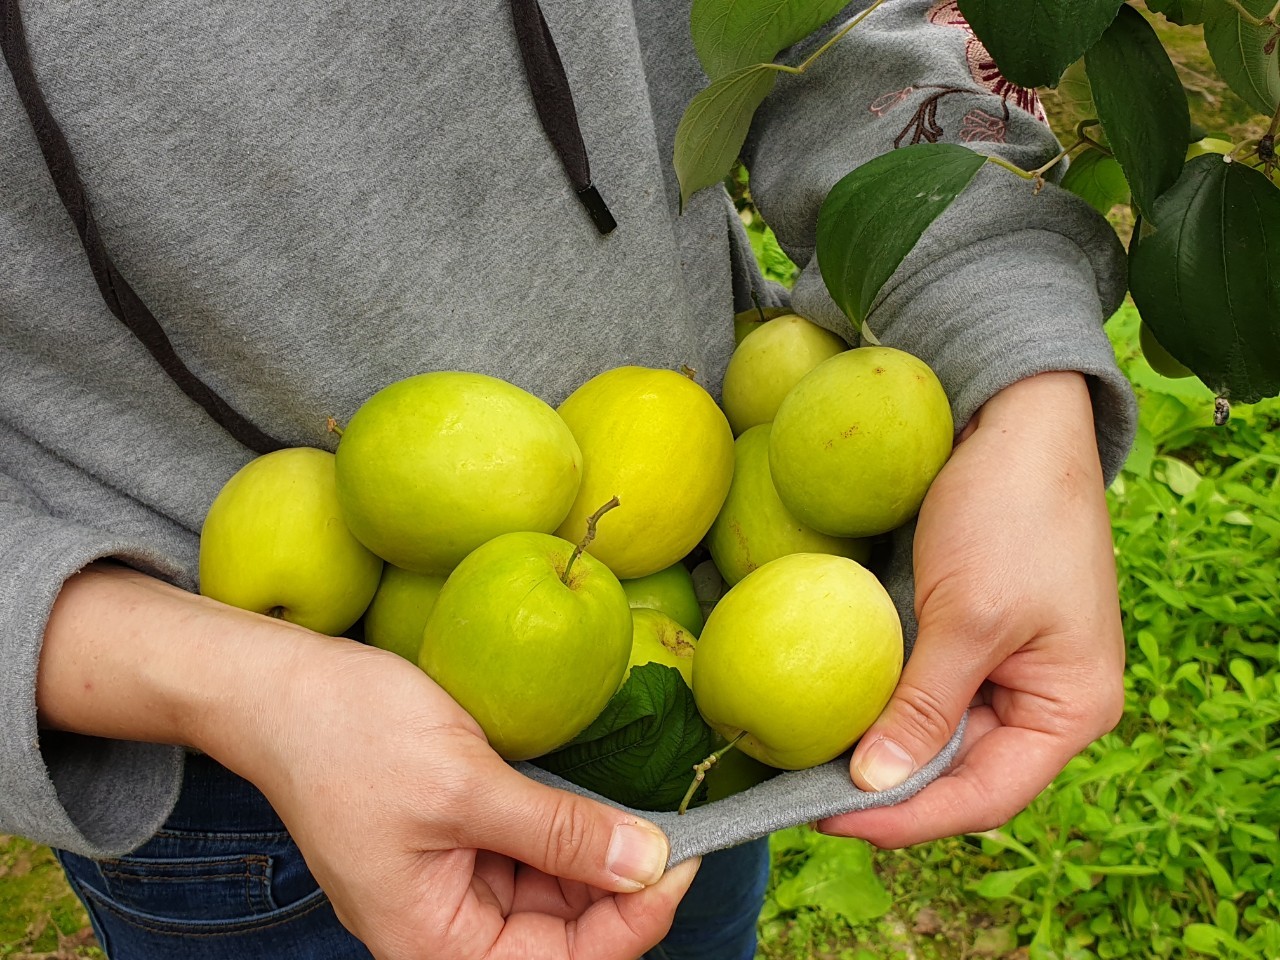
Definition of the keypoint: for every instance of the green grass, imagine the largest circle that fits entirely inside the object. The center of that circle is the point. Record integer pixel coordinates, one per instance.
(39, 915)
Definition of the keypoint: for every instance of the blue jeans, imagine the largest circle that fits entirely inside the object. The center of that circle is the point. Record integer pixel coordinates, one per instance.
(223, 880)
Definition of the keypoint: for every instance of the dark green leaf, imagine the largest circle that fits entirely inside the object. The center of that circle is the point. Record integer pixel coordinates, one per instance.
(1239, 52)
(1207, 279)
(873, 217)
(1141, 105)
(1179, 11)
(641, 750)
(1033, 44)
(1097, 178)
(714, 126)
(732, 34)
(838, 877)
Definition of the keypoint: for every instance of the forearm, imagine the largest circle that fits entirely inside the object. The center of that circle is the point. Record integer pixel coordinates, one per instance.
(129, 657)
(1051, 411)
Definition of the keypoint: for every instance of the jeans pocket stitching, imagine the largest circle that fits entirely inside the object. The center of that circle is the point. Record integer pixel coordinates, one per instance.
(259, 836)
(295, 911)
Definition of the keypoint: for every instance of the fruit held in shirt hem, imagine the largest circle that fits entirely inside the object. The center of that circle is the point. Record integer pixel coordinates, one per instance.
(857, 442)
(274, 542)
(754, 526)
(801, 657)
(434, 465)
(657, 441)
(770, 361)
(532, 657)
(671, 591)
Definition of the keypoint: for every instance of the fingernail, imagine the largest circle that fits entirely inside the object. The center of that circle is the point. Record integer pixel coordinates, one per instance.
(885, 765)
(637, 854)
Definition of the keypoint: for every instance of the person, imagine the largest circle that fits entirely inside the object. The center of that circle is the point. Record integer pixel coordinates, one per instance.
(313, 201)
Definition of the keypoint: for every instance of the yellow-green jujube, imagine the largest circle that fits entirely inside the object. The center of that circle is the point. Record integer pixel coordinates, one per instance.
(671, 591)
(800, 657)
(398, 614)
(857, 442)
(754, 526)
(531, 651)
(434, 465)
(770, 361)
(656, 638)
(274, 542)
(657, 441)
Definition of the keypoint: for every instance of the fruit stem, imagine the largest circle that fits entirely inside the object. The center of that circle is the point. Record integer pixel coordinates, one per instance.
(586, 540)
(331, 423)
(700, 771)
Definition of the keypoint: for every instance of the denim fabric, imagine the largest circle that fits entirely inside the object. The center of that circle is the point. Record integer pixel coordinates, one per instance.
(223, 880)
(716, 920)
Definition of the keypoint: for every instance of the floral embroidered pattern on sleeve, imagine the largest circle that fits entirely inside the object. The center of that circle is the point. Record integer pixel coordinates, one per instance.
(977, 126)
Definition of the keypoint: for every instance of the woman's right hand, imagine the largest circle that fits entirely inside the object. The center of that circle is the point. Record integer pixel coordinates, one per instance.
(427, 843)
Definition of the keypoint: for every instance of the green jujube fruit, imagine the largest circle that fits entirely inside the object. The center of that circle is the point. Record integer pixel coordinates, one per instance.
(857, 442)
(398, 615)
(532, 657)
(754, 526)
(671, 591)
(436, 464)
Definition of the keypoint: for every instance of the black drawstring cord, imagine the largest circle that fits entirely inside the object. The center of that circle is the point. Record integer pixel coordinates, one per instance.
(119, 296)
(554, 102)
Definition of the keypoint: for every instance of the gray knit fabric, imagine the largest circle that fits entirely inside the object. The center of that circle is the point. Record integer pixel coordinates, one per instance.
(320, 199)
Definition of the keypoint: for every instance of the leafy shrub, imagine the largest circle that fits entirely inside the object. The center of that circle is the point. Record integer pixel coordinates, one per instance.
(1161, 840)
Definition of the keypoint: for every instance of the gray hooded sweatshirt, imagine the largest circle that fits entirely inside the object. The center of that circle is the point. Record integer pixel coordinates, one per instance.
(317, 200)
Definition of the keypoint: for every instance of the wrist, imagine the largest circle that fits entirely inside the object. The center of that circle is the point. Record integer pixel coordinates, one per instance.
(127, 656)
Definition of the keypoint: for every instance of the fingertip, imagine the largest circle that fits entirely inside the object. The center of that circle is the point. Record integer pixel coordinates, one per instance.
(637, 855)
(881, 765)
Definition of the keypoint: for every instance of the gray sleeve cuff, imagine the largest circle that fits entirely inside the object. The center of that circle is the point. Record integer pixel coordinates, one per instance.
(91, 796)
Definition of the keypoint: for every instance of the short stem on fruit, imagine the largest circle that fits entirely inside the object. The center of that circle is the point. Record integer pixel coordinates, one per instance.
(688, 372)
(759, 309)
(276, 613)
(587, 538)
(331, 423)
(700, 771)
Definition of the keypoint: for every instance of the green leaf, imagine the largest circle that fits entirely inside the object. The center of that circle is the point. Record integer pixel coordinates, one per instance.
(1182, 12)
(1222, 881)
(641, 750)
(732, 34)
(1159, 709)
(715, 125)
(874, 216)
(1141, 105)
(839, 877)
(1207, 280)
(1033, 44)
(1097, 178)
(1002, 883)
(1203, 938)
(1239, 52)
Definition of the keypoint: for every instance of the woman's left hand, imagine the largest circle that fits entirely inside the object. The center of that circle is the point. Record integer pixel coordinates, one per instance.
(1018, 621)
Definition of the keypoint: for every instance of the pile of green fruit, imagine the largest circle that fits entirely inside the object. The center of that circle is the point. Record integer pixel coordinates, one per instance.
(535, 562)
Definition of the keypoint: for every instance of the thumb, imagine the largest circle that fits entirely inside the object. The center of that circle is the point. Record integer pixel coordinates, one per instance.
(565, 835)
(938, 683)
